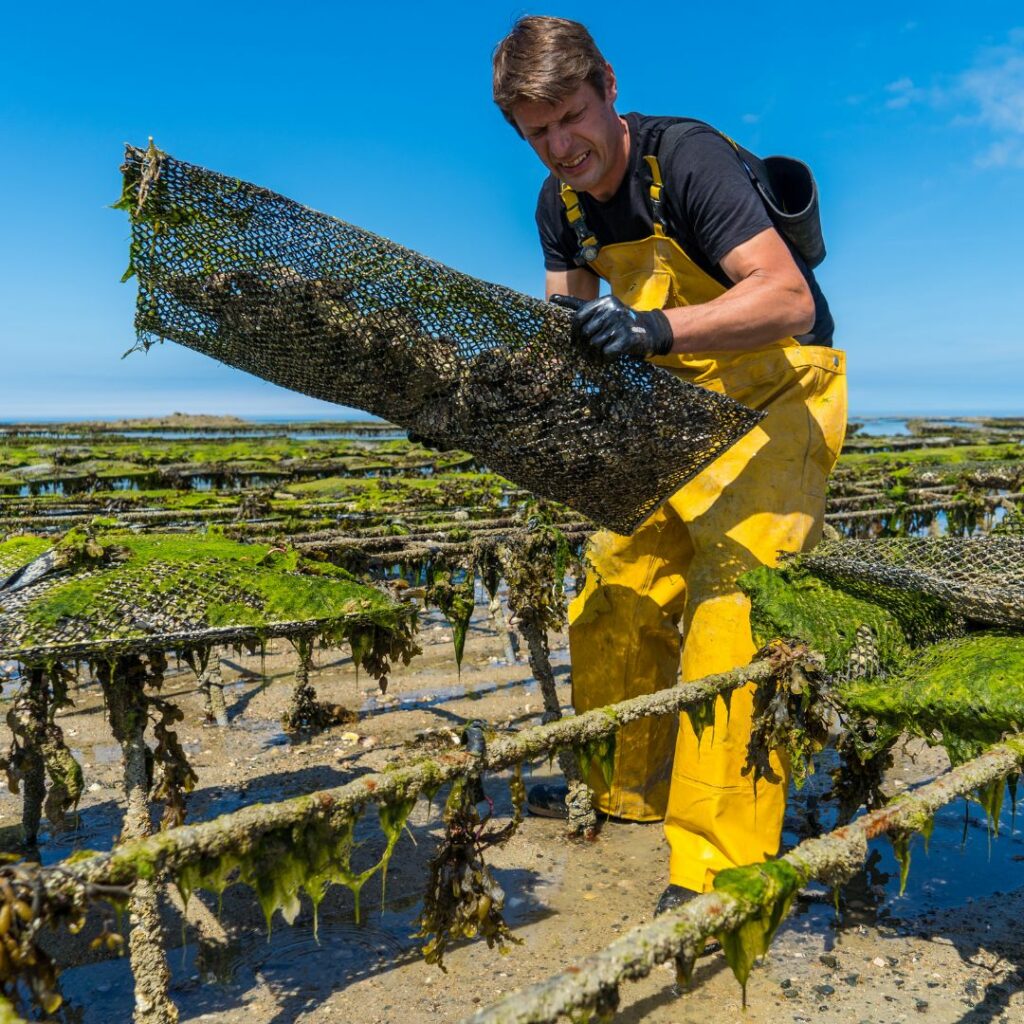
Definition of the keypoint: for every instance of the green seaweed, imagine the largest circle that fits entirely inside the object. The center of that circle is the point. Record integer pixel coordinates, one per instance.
(769, 889)
(927, 828)
(67, 782)
(951, 456)
(965, 693)
(393, 817)
(789, 603)
(18, 551)
(599, 752)
(792, 713)
(462, 898)
(990, 797)
(177, 777)
(214, 582)
(38, 747)
(517, 793)
(918, 823)
(701, 715)
(281, 864)
(900, 841)
(28, 974)
(603, 1011)
(535, 560)
(456, 601)
(155, 561)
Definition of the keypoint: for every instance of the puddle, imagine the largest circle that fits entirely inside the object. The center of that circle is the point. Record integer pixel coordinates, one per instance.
(883, 427)
(10, 680)
(962, 863)
(94, 828)
(379, 704)
(105, 753)
(955, 870)
(293, 969)
(897, 426)
(267, 732)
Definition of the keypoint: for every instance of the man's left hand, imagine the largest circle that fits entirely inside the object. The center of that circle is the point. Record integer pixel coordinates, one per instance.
(612, 329)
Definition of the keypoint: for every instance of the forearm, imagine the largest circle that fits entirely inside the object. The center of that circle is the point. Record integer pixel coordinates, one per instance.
(578, 282)
(753, 313)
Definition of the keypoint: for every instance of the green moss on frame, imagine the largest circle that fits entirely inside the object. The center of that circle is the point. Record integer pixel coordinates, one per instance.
(967, 692)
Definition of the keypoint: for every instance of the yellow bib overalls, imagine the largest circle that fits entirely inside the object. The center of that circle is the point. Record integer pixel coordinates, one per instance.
(678, 571)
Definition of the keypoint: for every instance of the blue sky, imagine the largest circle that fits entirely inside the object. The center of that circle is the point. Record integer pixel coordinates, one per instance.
(912, 117)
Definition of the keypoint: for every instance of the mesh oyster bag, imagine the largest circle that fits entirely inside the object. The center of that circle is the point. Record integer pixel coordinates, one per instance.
(324, 308)
(867, 606)
(980, 577)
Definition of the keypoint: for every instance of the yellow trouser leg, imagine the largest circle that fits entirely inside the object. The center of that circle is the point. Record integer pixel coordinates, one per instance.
(763, 496)
(624, 641)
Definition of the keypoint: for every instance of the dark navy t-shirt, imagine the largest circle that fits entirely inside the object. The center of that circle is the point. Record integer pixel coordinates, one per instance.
(709, 204)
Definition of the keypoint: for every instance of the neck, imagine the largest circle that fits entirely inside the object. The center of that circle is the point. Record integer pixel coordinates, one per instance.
(617, 172)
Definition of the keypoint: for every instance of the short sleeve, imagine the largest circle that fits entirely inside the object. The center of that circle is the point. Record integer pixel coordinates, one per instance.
(708, 186)
(557, 240)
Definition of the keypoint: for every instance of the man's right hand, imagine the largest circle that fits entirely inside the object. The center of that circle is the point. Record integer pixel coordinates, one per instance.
(611, 328)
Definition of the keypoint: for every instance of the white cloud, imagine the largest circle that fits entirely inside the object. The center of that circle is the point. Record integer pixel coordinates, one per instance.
(999, 93)
(1005, 153)
(902, 93)
(989, 94)
(994, 89)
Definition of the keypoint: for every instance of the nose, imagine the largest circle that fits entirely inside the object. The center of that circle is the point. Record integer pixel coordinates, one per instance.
(560, 141)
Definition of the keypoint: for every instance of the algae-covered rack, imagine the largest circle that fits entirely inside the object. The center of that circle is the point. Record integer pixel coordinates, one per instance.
(115, 594)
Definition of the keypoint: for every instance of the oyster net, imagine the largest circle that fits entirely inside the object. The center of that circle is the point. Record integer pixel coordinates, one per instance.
(979, 577)
(145, 594)
(327, 309)
(897, 620)
(867, 605)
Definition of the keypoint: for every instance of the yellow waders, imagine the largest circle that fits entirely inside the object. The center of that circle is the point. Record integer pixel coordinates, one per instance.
(764, 496)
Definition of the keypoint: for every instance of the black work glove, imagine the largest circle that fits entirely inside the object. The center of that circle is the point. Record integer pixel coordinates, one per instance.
(610, 328)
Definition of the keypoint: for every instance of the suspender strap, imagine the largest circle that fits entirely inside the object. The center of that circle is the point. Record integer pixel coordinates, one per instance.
(758, 184)
(755, 181)
(585, 238)
(657, 185)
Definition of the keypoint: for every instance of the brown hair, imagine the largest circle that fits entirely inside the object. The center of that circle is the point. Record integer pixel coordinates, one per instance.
(545, 60)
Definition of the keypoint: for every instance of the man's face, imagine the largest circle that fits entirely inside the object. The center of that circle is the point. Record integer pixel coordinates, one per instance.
(581, 140)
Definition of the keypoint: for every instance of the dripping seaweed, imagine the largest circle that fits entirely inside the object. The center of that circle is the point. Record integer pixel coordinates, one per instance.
(770, 887)
(463, 899)
(597, 753)
(282, 864)
(456, 601)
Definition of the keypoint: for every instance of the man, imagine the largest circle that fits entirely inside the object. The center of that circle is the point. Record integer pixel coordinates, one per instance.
(702, 283)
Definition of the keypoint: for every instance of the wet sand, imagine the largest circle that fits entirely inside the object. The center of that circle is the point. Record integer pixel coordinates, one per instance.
(950, 950)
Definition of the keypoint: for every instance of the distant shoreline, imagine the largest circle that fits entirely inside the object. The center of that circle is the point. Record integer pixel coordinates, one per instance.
(198, 421)
(212, 421)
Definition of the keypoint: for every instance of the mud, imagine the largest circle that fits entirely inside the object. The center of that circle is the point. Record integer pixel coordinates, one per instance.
(948, 950)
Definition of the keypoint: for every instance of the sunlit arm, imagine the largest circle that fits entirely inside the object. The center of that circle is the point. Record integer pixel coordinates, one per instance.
(579, 283)
(769, 300)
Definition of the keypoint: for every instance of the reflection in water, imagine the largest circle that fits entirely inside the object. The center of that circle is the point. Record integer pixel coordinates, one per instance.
(962, 859)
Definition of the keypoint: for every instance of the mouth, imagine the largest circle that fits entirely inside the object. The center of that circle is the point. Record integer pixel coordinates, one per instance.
(575, 163)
